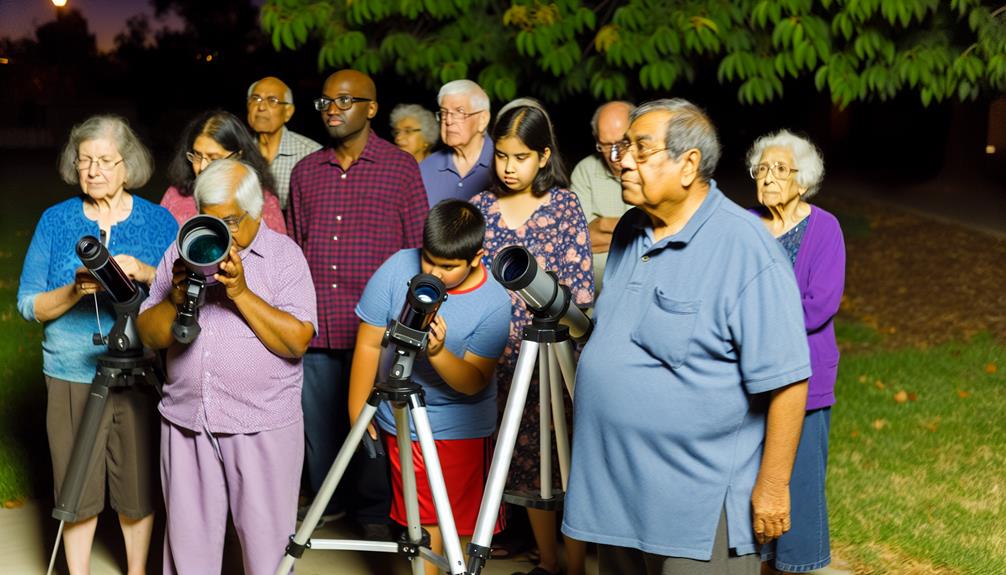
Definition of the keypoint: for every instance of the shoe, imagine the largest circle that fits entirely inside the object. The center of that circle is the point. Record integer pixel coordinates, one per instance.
(326, 518)
(376, 531)
(538, 570)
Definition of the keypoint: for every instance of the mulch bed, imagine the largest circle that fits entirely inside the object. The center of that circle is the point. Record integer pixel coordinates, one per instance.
(919, 281)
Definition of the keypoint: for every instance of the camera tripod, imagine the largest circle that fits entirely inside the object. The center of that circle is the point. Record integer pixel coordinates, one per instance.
(403, 394)
(548, 343)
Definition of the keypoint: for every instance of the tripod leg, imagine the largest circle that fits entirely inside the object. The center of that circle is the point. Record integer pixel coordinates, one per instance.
(544, 423)
(83, 447)
(409, 493)
(300, 540)
(564, 352)
(506, 438)
(448, 531)
(558, 413)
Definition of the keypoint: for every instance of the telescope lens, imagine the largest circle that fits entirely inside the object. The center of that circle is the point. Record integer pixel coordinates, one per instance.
(202, 247)
(426, 293)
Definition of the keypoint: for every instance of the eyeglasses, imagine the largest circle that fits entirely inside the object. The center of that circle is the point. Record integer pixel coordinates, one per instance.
(104, 164)
(641, 155)
(271, 101)
(234, 223)
(343, 102)
(198, 159)
(779, 171)
(406, 131)
(604, 148)
(444, 115)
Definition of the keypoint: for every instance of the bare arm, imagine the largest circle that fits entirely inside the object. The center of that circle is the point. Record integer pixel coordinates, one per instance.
(468, 375)
(600, 233)
(54, 303)
(281, 332)
(366, 359)
(770, 498)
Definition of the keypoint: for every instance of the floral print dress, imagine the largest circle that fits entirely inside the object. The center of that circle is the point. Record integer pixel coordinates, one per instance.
(556, 234)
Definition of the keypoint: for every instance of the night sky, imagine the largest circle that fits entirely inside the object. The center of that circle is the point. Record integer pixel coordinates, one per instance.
(105, 18)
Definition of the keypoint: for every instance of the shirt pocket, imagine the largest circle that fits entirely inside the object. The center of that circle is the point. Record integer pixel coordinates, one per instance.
(666, 328)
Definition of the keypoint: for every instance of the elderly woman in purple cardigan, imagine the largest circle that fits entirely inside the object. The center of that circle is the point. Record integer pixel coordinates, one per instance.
(788, 170)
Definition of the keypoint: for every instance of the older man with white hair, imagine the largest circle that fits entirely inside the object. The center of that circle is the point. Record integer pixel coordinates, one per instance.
(232, 432)
(465, 167)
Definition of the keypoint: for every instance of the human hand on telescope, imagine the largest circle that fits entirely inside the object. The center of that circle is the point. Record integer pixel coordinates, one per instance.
(438, 333)
(232, 274)
(84, 283)
(179, 281)
(135, 269)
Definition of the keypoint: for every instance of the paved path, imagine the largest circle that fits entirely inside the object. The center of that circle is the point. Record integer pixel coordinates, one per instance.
(28, 534)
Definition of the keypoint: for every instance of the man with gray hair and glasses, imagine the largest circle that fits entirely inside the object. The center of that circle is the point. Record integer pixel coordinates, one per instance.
(270, 107)
(596, 183)
(690, 393)
(465, 167)
(232, 428)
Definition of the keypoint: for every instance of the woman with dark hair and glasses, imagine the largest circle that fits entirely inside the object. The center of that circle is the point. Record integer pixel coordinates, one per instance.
(105, 159)
(787, 170)
(212, 136)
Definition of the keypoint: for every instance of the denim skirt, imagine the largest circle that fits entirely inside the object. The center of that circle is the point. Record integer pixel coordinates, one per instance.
(805, 546)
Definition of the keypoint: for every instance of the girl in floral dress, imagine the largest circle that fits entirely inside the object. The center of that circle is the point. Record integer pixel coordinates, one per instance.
(530, 206)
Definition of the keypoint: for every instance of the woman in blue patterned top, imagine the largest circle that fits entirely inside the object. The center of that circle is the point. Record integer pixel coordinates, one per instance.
(104, 157)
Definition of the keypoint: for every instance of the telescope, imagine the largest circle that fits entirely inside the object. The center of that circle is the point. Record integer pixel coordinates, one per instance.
(409, 333)
(126, 296)
(517, 270)
(203, 243)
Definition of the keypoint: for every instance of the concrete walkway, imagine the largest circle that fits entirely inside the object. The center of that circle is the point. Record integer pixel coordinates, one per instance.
(28, 534)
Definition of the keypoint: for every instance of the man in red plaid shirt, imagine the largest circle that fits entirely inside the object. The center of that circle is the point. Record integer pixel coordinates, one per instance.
(352, 204)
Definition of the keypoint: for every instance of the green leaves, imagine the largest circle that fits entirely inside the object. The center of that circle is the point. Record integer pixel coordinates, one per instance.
(853, 49)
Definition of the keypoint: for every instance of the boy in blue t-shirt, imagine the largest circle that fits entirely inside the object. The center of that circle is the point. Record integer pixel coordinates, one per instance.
(466, 340)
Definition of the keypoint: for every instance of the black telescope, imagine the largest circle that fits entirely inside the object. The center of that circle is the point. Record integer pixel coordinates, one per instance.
(203, 243)
(97, 260)
(516, 270)
(410, 332)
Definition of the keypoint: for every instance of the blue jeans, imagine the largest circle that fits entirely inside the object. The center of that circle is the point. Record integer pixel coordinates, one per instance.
(364, 490)
(806, 545)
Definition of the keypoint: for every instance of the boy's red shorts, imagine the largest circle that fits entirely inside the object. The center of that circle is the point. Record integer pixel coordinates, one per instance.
(465, 464)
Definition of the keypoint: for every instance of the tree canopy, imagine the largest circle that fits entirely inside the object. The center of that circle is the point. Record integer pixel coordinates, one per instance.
(856, 50)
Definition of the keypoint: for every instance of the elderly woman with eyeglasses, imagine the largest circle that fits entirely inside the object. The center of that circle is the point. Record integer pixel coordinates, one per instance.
(788, 170)
(213, 136)
(414, 129)
(105, 158)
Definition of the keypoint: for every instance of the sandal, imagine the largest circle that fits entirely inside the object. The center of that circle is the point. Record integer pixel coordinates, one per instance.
(509, 548)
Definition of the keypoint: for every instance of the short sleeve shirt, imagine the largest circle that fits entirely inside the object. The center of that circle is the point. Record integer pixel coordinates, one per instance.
(443, 181)
(227, 380)
(691, 333)
(478, 320)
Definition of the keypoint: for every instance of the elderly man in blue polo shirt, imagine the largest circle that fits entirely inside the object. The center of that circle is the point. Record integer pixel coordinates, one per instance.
(464, 167)
(691, 390)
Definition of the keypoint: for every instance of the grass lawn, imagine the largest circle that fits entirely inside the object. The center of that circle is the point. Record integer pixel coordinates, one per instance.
(917, 467)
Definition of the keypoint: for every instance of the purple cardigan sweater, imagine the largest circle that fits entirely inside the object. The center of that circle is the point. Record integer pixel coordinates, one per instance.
(820, 275)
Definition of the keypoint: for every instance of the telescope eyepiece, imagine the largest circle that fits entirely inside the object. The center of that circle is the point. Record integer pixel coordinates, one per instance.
(95, 257)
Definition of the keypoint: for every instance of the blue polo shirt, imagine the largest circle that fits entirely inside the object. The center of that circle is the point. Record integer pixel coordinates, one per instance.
(443, 181)
(669, 417)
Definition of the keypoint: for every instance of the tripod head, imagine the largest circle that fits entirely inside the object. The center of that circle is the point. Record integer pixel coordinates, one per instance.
(410, 332)
(124, 339)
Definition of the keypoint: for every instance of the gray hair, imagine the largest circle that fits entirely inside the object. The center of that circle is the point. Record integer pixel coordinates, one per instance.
(214, 186)
(806, 156)
(428, 126)
(689, 128)
(597, 113)
(287, 95)
(135, 156)
(476, 95)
